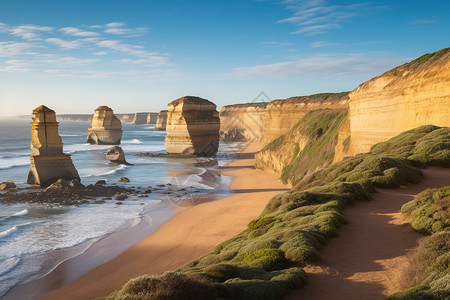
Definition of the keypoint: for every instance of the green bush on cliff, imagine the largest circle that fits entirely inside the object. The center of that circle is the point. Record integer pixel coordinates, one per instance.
(255, 264)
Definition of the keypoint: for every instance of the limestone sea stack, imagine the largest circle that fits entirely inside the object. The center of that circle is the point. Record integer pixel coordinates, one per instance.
(152, 118)
(161, 121)
(48, 162)
(106, 128)
(116, 155)
(140, 118)
(192, 127)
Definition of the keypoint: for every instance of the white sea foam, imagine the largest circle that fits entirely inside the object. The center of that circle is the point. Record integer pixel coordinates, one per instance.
(62, 134)
(8, 264)
(102, 171)
(133, 141)
(84, 147)
(7, 232)
(21, 213)
(7, 163)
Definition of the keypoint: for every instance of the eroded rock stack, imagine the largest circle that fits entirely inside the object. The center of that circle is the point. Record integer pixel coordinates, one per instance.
(116, 155)
(106, 128)
(192, 127)
(161, 121)
(48, 162)
(152, 118)
(140, 118)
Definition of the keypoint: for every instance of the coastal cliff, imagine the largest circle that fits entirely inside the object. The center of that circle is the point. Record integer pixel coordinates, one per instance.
(140, 118)
(106, 128)
(282, 115)
(413, 94)
(242, 122)
(161, 120)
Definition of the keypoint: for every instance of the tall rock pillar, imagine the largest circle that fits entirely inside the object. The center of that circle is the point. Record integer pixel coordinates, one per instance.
(48, 162)
(106, 128)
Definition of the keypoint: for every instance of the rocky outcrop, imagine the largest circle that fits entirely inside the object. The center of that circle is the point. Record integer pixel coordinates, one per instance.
(140, 118)
(416, 93)
(126, 118)
(48, 162)
(116, 155)
(161, 121)
(282, 115)
(192, 127)
(242, 122)
(106, 128)
(152, 118)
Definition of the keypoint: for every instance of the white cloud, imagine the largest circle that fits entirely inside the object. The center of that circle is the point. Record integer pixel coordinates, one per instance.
(28, 32)
(115, 24)
(322, 44)
(10, 49)
(148, 62)
(323, 65)
(72, 61)
(101, 53)
(316, 16)
(64, 43)
(17, 66)
(77, 32)
(275, 44)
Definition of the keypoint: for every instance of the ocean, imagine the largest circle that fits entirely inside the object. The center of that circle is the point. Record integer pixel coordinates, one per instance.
(35, 239)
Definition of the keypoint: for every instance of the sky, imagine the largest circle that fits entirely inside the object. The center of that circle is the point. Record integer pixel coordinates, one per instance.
(139, 55)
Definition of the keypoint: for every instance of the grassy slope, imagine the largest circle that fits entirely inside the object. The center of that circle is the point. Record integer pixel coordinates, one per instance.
(428, 273)
(262, 262)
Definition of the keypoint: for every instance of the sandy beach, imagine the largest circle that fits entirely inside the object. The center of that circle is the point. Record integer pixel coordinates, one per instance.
(192, 232)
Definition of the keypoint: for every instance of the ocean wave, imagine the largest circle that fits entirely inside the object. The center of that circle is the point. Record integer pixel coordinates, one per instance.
(84, 147)
(8, 264)
(100, 172)
(7, 232)
(21, 213)
(133, 141)
(14, 162)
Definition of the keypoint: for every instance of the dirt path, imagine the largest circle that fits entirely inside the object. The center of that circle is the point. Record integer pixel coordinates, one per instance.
(366, 260)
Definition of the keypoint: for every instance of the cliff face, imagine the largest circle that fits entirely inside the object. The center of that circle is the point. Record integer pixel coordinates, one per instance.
(416, 93)
(106, 128)
(282, 115)
(308, 146)
(161, 121)
(192, 127)
(140, 118)
(242, 122)
(152, 118)
(48, 162)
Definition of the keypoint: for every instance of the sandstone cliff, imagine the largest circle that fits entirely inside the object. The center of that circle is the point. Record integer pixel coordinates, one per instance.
(126, 118)
(416, 93)
(106, 128)
(48, 162)
(140, 118)
(192, 127)
(282, 115)
(152, 118)
(161, 121)
(308, 146)
(242, 122)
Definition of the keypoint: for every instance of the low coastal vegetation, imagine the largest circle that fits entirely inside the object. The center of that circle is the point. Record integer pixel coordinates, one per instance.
(428, 275)
(264, 261)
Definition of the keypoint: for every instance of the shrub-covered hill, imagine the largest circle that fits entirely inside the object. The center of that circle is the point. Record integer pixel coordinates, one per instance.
(263, 262)
(428, 273)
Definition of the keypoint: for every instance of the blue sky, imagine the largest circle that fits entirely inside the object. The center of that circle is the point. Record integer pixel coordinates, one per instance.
(138, 55)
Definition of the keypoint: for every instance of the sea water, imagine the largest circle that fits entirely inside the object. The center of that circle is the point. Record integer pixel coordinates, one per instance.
(35, 238)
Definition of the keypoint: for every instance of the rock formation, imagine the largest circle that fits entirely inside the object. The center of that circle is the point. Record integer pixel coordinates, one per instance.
(106, 128)
(140, 118)
(152, 118)
(48, 162)
(416, 93)
(126, 118)
(161, 121)
(116, 155)
(242, 122)
(192, 127)
(282, 115)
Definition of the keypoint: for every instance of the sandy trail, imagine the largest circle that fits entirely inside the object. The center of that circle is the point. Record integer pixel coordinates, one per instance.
(193, 232)
(366, 260)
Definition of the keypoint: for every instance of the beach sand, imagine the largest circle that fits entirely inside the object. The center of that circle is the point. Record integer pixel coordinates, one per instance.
(191, 233)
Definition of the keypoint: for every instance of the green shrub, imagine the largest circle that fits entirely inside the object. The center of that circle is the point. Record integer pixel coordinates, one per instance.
(266, 259)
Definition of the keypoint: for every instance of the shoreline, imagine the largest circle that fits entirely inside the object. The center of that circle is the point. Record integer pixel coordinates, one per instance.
(219, 216)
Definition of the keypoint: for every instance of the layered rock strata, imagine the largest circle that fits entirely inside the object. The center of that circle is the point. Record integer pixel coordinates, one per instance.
(192, 127)
(161, 121)
(48, 162)
(414, 94)
(106, 128)
(242, 122)
(282, 115)
(152, 118)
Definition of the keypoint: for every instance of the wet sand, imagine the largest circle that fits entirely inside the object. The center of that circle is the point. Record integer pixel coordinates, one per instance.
(366, 260)
(191, 233)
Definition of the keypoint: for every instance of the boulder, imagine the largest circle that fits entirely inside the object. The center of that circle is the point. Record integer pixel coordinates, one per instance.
(7, 185)
(192, 127)
(161, 121)
(106, 128)
(116, 155)
(48, 162)
(124, 179)
(101, 182)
